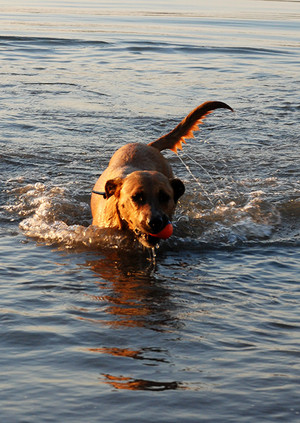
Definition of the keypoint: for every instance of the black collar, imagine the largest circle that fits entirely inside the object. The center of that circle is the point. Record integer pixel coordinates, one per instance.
(100, 193)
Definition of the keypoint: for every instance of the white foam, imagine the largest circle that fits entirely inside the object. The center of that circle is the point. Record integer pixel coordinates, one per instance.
(55, 216)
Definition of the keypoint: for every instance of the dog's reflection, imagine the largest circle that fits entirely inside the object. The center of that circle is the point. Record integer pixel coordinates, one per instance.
(151, 356)
(130, 384)
(132, 294)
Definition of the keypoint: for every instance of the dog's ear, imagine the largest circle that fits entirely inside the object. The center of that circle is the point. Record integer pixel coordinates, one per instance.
(178, 188)
(113, 187)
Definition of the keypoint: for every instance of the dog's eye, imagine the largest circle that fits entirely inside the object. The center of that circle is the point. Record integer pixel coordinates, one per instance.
(139, 198)
(163, 197)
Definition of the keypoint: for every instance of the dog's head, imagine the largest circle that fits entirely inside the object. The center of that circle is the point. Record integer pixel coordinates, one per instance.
(146, 202)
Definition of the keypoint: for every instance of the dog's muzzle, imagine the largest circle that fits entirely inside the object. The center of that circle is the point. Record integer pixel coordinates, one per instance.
(152, 239)
(157, 223)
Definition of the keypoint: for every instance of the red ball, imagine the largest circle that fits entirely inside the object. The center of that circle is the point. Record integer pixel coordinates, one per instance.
(165, 233)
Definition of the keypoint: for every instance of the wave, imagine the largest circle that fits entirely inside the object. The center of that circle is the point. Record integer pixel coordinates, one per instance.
(54, 216)
(4, 39)
(136, 46)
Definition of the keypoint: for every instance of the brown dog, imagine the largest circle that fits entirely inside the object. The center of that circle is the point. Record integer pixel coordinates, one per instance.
(138, 191)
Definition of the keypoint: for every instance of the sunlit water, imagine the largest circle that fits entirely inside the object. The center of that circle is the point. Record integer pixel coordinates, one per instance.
(207, 328)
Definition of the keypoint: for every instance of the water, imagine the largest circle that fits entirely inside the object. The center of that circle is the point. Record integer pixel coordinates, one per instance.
(95, 328)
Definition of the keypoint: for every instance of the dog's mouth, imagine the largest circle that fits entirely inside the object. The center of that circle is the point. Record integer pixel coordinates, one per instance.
(147, 240)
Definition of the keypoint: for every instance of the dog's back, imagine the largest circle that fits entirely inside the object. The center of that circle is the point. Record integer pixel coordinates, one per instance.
(138, 156)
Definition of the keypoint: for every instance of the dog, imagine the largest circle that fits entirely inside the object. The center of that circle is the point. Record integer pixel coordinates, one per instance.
(138, 192)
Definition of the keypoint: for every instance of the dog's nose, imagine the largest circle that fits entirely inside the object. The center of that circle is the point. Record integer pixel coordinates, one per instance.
(157, 223)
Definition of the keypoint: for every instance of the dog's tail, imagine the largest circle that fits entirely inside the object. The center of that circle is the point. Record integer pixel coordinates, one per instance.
(175, 138)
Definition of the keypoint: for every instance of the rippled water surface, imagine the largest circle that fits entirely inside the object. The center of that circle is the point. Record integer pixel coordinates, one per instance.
(93, 327)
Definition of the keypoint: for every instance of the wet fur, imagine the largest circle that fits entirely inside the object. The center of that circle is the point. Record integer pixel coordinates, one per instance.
(141, 192)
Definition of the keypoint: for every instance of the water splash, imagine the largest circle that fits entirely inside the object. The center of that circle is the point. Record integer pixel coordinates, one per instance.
(53, 215)
(197, 179)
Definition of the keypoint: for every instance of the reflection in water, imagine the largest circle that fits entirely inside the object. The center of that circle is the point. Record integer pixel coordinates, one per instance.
(132, 294)
(125, 352)
(140, 384)
(130, 383)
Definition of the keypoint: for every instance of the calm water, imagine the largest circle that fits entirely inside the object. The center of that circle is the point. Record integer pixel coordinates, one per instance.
(92, 328)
